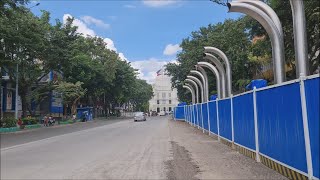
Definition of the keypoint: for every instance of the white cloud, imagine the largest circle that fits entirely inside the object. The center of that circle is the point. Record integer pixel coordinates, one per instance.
(97, 22)
(171, 49)
(86, 31)
(148, 68)
(121, 55)
(159, 3)
(129, 6)
(110, 44)
(82, 27)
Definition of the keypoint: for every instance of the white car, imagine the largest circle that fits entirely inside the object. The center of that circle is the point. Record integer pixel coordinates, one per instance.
(162, 113)
(139, 116)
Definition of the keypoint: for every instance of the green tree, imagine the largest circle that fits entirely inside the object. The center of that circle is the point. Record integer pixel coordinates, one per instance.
(231, 37)
(71, 93)
(142, 93)
(23, 36)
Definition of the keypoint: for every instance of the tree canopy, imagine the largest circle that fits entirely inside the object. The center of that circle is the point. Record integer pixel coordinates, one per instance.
(247, 47)
(91, 73)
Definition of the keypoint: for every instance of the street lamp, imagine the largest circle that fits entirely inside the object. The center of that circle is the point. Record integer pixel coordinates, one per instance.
(191, 91)
(214, 60)
(277, 43)
(216, 73)
(200, 85)
(204, 84)
(225, 59)
(204, 73)
(300, 38)
(196, 88)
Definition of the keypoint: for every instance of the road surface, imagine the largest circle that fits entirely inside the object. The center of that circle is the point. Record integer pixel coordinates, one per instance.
(156, 149)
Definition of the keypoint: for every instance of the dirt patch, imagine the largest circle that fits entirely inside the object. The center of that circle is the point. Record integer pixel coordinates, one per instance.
(181, 166)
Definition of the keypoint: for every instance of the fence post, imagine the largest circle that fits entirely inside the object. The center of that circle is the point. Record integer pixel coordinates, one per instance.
(184, 113)
(188, 112)
(202, 118)
(190, 115)
(208, 118)
(255, 116)
(232, 128)
(306, 127)
(217, 109)
(197, 116)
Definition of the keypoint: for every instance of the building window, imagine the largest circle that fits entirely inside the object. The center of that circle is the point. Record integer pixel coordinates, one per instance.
(169, 101)
(158, 110)
(169, 108)
(164, 109)
(163, 95)
(158, 102)
(169, 95)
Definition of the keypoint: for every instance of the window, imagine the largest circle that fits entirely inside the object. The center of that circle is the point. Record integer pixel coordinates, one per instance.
(169, 108)
(158, 110)
(163, 95)
(169, 101)
(164, 108)
(158, 102)
(169, 94)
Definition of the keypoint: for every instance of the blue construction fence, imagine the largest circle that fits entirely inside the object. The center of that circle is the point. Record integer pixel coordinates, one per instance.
(279, 122)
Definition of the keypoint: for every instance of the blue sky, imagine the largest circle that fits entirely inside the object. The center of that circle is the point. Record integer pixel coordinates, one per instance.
(146, 33)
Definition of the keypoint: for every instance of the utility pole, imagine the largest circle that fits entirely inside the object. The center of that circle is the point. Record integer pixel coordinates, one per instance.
(17, 93)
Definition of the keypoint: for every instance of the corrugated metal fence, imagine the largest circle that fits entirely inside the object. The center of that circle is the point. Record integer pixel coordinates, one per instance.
(276, 125)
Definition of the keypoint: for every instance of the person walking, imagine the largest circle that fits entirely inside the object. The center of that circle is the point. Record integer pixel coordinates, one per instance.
(74, 118)
(45, 122)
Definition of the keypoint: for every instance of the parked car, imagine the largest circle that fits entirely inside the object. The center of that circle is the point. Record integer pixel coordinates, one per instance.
(139, 116)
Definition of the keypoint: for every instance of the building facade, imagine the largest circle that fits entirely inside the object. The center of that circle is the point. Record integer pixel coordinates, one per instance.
(165, 98)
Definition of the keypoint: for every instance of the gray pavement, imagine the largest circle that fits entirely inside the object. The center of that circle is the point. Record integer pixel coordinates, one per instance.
(29, 135)
(156, 149)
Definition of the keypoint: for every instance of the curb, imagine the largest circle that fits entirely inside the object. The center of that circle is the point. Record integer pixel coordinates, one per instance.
(11, 129)
(15, 129)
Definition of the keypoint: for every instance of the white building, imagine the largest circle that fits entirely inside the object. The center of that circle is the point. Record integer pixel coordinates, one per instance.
(165, 98)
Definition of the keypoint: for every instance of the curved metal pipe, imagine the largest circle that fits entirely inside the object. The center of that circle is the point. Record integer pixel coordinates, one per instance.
(194, 92)
(276, 39)
(268, 10)
(215, 72)
(222, 73)
(204, 73)
(227, 64)
(200, 85)
(196, 87)
(191, 91)
(203, 82)
(300, 38)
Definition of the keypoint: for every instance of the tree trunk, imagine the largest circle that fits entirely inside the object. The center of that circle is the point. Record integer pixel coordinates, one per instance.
(24, 104)
(74, 106)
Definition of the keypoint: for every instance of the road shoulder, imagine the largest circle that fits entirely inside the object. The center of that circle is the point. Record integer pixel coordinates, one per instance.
(214, 159)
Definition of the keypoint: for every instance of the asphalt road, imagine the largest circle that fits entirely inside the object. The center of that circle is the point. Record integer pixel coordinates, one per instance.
(156, 149)
(30, 135)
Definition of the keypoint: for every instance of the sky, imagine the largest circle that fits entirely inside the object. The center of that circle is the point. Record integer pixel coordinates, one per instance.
(146, 33)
